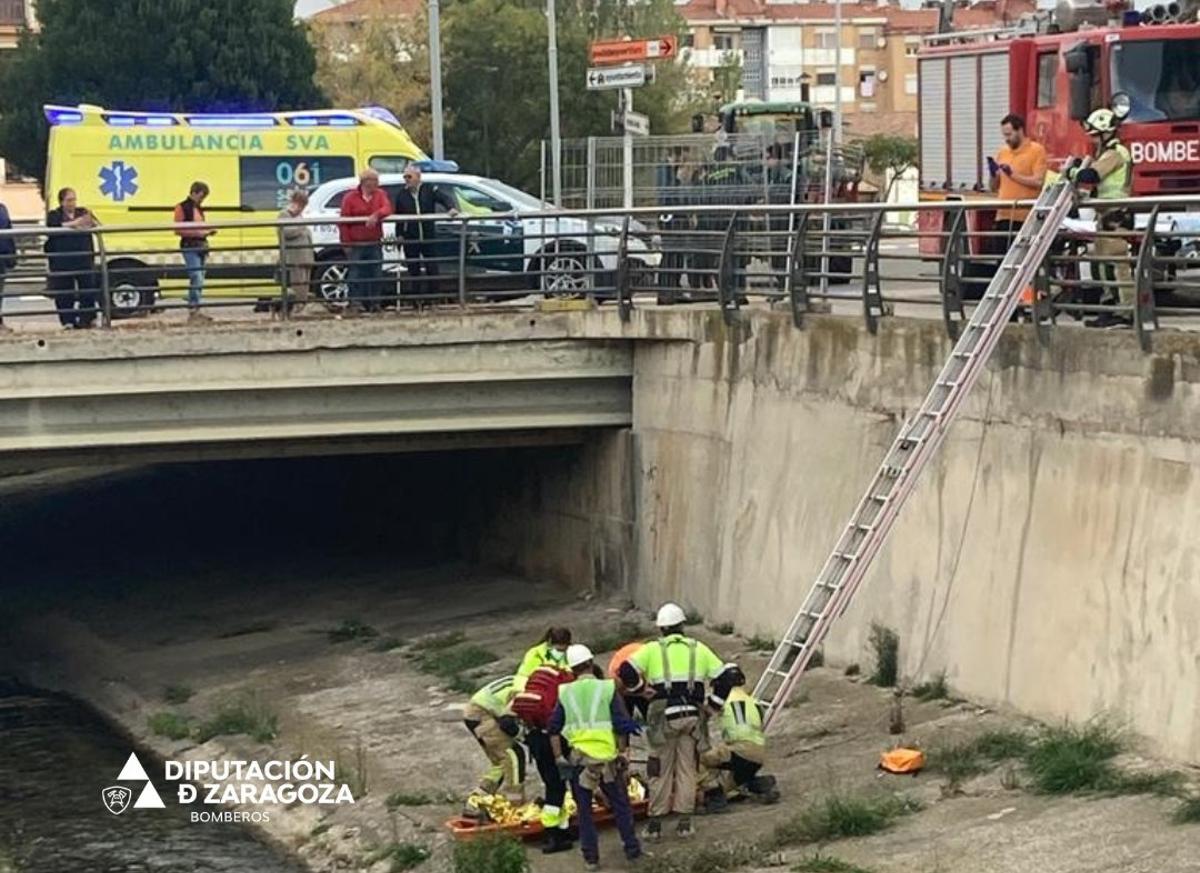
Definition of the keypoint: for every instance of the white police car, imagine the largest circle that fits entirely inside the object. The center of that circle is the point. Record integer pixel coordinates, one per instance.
(566, 255)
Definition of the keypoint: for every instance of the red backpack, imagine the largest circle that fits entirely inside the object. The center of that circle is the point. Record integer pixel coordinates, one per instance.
(536, 703)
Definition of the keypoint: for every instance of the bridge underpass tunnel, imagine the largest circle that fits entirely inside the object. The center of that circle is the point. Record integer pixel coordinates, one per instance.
(313, 539)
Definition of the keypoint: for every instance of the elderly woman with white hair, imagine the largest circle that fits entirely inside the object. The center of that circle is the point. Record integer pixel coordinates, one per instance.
(295, 252)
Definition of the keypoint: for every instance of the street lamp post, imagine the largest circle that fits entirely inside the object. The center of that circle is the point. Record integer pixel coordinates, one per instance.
(435, 77)
(555, 133)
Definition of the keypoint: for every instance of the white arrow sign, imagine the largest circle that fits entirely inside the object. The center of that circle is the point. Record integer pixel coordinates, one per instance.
(636, 124)
(610, 78)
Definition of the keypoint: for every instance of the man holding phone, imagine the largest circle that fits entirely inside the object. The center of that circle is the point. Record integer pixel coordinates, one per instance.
(1017, 173)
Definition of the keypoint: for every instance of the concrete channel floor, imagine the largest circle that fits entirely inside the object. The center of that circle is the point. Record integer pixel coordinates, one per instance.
(220, 632)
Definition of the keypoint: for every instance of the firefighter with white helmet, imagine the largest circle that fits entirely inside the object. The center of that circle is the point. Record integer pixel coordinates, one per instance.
(677, 668)
(1111, 174)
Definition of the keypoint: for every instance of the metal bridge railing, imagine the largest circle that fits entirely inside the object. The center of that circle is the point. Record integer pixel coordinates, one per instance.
(845, 257)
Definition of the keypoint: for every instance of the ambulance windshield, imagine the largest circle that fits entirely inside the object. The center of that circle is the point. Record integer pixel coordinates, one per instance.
(1161, 77)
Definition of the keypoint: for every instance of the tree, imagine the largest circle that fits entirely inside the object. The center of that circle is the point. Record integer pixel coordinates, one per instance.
(890, 157)
(497, 79)
(727, 78)
(183, 55)
(381, 60)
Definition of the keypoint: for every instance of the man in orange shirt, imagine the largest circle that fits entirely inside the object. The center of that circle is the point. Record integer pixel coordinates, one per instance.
(1017, 173)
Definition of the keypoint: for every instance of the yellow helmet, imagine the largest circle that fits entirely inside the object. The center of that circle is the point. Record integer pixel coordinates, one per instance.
(1102, 121)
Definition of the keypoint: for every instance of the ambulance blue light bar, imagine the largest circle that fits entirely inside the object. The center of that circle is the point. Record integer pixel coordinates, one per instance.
(323, 121)
(135, 119)
(61, 115)
(231, 121)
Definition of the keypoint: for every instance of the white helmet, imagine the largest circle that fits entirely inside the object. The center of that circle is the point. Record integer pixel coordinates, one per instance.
(670, 615)
(1102, 121)
(577, 655)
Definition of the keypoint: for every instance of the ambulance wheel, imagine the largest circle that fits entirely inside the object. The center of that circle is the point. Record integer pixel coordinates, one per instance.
(133, 288)
(329, 283)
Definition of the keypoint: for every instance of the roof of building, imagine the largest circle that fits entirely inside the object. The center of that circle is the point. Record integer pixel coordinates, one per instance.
(986, 13)
(357, 10)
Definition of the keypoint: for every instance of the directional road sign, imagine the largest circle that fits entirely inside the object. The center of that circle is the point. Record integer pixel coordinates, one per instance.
(661, 48)
(611, 78)
(631, 122)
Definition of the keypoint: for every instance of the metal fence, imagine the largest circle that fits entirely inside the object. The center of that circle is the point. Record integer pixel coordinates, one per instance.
(848, 257)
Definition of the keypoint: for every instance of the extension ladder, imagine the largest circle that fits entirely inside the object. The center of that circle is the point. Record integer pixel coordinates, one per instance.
(916, 443)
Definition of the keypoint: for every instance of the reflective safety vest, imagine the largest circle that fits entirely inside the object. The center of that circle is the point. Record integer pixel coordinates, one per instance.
(494, 696)
(677, 660)
(541, 655)
(587, 722)
(741, 719)
(1119, 183)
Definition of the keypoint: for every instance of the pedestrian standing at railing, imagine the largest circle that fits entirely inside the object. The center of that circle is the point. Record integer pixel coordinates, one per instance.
(193, 242)
(362, 240)
(71, 261)
(420, 237)
(295, 252)
(8, 257)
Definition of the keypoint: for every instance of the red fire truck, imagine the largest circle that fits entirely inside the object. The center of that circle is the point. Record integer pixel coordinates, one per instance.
(1054, 78)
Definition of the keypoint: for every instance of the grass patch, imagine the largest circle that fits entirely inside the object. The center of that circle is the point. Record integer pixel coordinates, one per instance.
(1188, 812)
(836, 818)
(709, 859)
(462, 685)
(256, 627)
(693, 616)
(852, 670)
(351, 630)
(725, 628)
(171, 725)
(403, 856)
(440, 641)
(1068, 758)
(320, 829)
(610, 639)
(448, 663)
(886, 645)
(397, 799)
(241, 714)
(491, 855)
(177, 694)
(817, 660)
(962, 760)
(761, 643)
(388, 644)
(1003, 745)
(933, 689)
(825, 864)
(1163, 783)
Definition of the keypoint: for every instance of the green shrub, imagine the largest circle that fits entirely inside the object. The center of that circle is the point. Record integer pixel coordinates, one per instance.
(853, 670)
(397, 799)
(491, 855)
(761, 643)
(1068, 758)
(836, 817)
(1003, 745)
(440, 641)
(177, 694)
(934, 689)
(388, 644)
(351, 630)
(403, 856)
(448, 663)
(171, 725)
(241, 714)
(693, 616)
(320, 828)
(886, 645)
(725, 628)
(708, 859)
(256, 627)
(462, 685)
(1188, 812)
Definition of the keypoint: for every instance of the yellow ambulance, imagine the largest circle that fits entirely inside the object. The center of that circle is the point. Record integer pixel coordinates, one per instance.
(132, 168)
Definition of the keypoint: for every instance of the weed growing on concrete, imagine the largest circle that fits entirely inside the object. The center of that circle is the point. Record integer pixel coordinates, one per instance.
(397, 799)
(448, 663)
(817, 660)
(355, 773)
(853, 670)
(825, 864)
(886, 645)
(933, 689)
(957, 761)
(761, 643)
(440, 641)
(725, 628)
(1068, 758)
(462, 685)
(610, 639)
(693, 616)
(1188, 812)
(257, 627)
(171, 725)
(319, 829)
(1003, 745)
(351, 630)
(177, 694)
(241, 714)
(388, 644)
(1164, 783)
(491, 855)
(403, 856)
(710, 859)
(836, 817)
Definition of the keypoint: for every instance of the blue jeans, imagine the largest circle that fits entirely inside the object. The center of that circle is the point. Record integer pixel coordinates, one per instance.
(365, 270)
(618, 802)
(193, 260)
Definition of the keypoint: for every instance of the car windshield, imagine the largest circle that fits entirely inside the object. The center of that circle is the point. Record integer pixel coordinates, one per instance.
(1161, 77)
(515, 196)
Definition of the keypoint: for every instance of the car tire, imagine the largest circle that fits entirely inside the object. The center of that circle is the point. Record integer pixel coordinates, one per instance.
(133, 288)
(563, 269)
(330, 285)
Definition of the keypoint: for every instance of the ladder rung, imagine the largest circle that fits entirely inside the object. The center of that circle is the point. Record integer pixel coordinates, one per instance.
(846, 556)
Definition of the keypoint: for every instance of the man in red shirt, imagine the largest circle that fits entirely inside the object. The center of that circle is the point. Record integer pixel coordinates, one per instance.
(362, 239)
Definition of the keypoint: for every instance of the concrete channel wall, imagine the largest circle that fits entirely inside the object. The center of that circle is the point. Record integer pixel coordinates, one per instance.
(1050, 558)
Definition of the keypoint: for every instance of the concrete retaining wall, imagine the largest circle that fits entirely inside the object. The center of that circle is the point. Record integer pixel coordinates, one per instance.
(1049, 559)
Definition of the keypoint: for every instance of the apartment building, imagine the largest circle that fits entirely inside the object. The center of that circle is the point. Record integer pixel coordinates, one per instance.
(787, 45)
(15, 16)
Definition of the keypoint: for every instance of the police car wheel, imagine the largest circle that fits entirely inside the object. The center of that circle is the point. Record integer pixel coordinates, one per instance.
(566, 271)
(329, 283)
(132, 289)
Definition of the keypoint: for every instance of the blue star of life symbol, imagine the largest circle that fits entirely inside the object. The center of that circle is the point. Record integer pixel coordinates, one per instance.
(118, 181)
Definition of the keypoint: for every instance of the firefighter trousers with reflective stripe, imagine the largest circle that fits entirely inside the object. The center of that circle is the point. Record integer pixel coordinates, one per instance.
(672, 765)
(730, 766)
(505, 754)
(553, 813)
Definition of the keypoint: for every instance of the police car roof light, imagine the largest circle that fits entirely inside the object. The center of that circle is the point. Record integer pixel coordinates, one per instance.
(430, 165)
